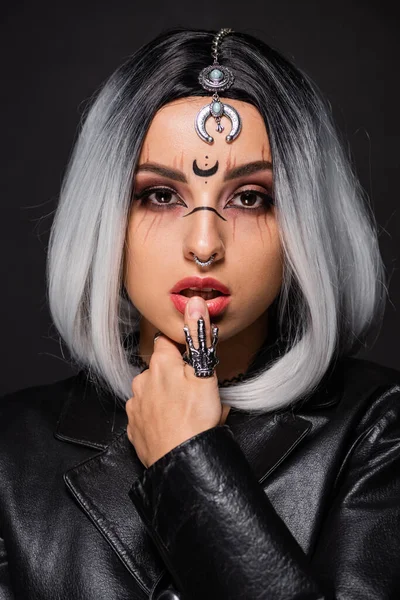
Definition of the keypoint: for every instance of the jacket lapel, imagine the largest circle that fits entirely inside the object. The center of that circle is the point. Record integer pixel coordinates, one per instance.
(101, 483)
(267, 440)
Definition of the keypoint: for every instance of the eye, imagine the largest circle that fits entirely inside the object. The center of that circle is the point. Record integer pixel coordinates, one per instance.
(250, 200)
(159, 197)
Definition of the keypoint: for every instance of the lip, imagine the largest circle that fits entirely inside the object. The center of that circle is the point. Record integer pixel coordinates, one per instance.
(200, 282)
(215, 306)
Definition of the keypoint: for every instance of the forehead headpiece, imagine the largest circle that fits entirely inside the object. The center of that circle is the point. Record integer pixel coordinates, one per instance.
(217, 78)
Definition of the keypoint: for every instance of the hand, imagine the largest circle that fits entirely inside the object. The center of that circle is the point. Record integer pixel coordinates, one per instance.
(170, 404)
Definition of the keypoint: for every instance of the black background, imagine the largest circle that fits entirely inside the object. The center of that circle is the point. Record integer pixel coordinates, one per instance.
(56, 55)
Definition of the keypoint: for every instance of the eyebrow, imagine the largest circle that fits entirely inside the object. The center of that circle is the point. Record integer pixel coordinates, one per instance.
(248, 169)
(163, 171)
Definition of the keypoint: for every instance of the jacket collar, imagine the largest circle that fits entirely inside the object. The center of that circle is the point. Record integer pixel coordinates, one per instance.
(265, 439)
(84, 399)
(76, 423)
(101, 483)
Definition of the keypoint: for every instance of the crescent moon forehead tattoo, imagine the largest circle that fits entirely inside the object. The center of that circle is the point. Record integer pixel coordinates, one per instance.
(205, 208)
(204, 172)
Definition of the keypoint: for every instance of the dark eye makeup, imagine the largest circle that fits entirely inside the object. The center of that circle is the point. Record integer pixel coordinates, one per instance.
(161, 198)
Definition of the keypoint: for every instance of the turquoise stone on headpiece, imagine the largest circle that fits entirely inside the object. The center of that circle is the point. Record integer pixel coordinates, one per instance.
(216, 78)
(216, 109)
(216, 75)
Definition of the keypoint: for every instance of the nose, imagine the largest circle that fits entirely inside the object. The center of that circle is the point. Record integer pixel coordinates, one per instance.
(204, 237)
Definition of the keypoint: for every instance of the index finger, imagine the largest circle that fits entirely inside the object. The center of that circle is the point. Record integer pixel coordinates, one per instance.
(199, 332)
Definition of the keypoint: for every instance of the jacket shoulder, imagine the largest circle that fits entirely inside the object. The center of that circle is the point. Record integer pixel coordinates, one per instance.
(34, 404)
(375, 386)
(368, 373)
(360, 392)
(352, 382)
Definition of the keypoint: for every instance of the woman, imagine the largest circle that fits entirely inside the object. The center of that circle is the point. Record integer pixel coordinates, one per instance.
(213, 268)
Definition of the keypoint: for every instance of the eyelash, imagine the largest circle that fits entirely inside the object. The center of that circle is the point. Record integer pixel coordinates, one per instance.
(146, 193)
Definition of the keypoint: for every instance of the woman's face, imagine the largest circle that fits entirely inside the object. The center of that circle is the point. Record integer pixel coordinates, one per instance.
(178, 180)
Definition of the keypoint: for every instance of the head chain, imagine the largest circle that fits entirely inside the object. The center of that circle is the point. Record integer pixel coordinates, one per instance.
(217, 40)
(217, 78)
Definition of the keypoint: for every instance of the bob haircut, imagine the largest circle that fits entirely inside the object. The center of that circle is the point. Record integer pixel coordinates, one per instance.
(333, 286)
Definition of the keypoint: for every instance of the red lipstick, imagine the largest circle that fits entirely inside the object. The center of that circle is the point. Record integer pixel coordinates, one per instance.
(205, 286)
(201, 283)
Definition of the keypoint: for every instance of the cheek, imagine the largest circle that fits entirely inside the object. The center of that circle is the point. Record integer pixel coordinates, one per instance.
(149, 243)
(259, 260)
(257, 241)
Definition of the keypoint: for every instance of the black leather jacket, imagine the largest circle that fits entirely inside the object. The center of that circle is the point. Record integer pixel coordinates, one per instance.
(304, 503)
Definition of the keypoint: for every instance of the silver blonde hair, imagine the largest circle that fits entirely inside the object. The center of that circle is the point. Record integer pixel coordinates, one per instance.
(333, 288)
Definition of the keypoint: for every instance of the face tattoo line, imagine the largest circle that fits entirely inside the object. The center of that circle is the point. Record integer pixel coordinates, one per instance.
(205, 208)
(204, 172)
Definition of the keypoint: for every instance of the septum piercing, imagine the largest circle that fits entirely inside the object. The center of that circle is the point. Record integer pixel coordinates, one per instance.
(206, 263)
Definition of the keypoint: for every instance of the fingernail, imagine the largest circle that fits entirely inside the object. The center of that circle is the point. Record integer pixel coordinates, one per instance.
(196, 307)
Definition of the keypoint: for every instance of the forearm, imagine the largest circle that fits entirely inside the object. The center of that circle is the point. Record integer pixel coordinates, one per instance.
(214, 526)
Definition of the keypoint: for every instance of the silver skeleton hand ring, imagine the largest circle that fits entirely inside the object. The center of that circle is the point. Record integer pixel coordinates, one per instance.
(202, 359)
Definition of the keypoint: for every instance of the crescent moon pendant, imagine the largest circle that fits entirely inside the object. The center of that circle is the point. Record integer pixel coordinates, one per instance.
(205, 113)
